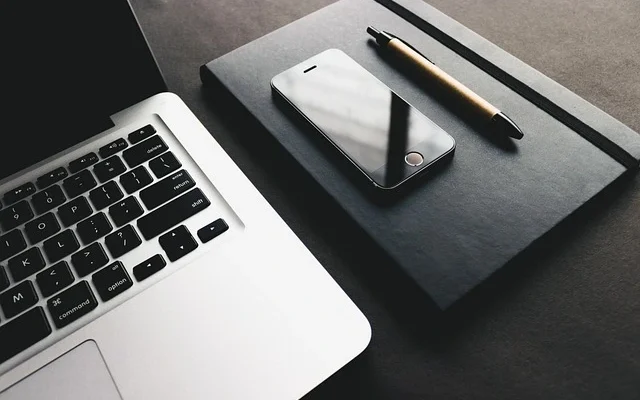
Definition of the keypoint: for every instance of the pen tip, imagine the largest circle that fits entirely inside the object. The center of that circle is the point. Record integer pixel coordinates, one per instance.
(373, 31)
(381, 37)
(505, 126)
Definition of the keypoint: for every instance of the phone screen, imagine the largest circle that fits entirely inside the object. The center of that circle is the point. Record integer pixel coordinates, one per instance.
(361, 116)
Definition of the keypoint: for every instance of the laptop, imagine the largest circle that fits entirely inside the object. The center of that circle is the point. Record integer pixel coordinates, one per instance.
(136, 260)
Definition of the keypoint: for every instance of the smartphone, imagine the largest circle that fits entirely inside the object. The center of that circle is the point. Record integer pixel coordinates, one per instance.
(383, 136)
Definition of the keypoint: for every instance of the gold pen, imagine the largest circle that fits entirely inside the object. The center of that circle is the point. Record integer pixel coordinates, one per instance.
(496, 119)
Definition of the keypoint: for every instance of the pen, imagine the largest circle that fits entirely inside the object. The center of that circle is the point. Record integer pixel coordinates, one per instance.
(496, 119)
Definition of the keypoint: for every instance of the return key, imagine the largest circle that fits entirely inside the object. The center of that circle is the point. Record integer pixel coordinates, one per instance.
(166, 189)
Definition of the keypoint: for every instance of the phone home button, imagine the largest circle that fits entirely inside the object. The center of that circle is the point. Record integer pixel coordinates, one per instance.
(414, 159)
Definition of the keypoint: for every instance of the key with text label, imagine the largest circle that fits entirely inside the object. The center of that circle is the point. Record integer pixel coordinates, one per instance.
(72, 304)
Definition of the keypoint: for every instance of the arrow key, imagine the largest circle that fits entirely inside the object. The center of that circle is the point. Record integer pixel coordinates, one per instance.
(212, 230)
(54, 279)
(178, 243)
(145, 269)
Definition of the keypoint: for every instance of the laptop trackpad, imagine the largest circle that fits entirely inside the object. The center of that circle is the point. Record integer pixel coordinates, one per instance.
(80, 374)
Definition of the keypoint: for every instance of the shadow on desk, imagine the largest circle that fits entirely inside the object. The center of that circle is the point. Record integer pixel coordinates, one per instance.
(412, 310)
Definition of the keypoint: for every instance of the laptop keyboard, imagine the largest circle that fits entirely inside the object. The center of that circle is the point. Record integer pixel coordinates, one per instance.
(62, 236)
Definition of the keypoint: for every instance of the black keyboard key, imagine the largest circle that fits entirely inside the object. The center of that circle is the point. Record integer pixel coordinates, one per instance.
(25, 264)
(83, 162)
(41, 228)
(166, 189)
(164, 164)
(141, 134)
(122, 241)
(15, 215)
(18, 299)
(125, 211)
(178, 243)
(19, 193)
(11, 244)
(144, 151)
(111, 281)
(54, 279)
(89, 259)
(109, 169)
(79, 183)
(145, 269)
(4, 279)
(173, 213)
(92, 229)
(70, 305)
(105, 195)
(136, 179)
(74, 211)
(112, 148)
(212, 230)
(23, 332)
(48, 199)
(61, 245)
(52, 177)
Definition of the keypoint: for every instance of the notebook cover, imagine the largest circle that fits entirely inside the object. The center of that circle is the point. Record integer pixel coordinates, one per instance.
(466, 221)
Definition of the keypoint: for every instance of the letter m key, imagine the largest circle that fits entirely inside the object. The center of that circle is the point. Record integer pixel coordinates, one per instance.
(17, 297)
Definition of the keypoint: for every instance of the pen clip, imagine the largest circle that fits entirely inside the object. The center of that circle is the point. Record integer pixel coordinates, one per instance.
(410, 46)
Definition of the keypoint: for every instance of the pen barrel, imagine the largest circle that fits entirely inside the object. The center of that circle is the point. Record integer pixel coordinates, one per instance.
(429, 70)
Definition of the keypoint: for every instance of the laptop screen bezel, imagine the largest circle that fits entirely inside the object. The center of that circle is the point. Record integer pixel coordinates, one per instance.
(154, 81)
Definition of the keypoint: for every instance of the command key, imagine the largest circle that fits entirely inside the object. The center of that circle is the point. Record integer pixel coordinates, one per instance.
(71, 304)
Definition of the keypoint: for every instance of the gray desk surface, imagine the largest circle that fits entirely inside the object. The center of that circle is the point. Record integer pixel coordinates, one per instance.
(567, 324)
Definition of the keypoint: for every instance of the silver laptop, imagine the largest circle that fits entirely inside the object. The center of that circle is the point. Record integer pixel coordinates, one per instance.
(136, 260)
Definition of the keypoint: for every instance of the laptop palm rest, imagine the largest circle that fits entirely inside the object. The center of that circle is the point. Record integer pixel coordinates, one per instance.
(80, 374)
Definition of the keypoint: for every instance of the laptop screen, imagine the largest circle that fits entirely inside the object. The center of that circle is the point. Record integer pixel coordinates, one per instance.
(65, 67)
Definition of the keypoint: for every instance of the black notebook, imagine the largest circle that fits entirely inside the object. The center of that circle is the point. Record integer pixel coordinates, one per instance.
(491, 202)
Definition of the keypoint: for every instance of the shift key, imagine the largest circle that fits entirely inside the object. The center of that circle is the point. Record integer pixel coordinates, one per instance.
(71, 304)
(173, 213)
